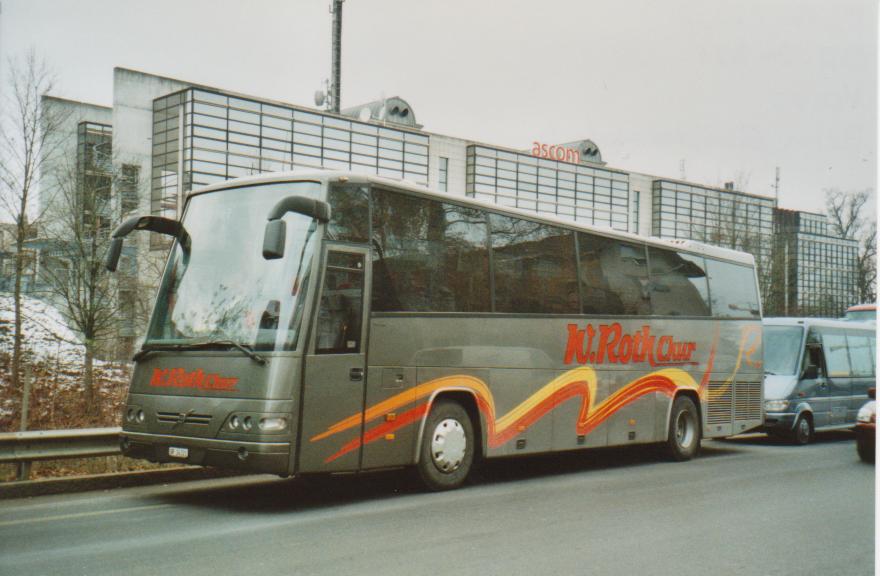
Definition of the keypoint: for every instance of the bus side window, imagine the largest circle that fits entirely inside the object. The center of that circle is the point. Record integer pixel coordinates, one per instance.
(341, 310)
(349, 213)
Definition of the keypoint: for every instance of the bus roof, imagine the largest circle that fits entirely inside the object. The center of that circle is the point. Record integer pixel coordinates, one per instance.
(819, 322)
(352, 177)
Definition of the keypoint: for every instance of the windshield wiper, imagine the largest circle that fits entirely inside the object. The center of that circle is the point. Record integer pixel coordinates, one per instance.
(148, 349)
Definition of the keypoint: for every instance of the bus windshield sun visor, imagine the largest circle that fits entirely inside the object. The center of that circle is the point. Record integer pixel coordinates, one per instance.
(276, 229)
(158, 224)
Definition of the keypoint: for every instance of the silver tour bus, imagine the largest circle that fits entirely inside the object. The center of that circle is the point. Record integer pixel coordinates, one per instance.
(333, 322)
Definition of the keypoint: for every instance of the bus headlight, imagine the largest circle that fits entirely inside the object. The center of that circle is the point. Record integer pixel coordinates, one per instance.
(141, 416)
(272, 424)
(234, 423)
(775, 405)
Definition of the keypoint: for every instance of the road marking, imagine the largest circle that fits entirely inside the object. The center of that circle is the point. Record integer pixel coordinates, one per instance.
(81, 515)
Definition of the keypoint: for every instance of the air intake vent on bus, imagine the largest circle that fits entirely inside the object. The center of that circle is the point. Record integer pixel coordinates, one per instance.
(747, 401)
(172, 417)
(720, 403)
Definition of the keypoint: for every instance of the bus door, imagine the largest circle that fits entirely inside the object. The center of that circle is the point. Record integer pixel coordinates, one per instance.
(333, 388)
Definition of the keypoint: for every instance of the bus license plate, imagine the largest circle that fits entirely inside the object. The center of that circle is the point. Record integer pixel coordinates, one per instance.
(178, 452)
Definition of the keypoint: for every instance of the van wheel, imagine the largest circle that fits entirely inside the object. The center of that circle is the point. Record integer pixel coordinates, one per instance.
(447, 451)
(683, 437)
(803, 430)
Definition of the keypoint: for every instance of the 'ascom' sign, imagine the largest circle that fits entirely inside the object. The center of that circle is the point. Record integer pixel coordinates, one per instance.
(608, 344)
(554, 152)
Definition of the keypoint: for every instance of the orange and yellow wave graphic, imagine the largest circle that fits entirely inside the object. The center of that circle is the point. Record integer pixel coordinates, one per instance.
(579, 383)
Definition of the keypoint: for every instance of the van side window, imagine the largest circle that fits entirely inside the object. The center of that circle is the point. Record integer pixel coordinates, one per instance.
(861, 353)
(836, 356)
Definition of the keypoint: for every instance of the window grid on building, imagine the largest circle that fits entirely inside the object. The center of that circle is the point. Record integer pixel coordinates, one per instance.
(719, 217)
(826, 273)
(587, 194)
(228, 137)
(94, 174)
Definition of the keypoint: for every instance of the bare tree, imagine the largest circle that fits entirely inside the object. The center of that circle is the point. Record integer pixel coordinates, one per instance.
(847, 217)
(79, 236)
(27, 143)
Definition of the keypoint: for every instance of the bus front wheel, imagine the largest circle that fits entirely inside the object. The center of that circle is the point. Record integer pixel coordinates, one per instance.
(447, 451)
(683, 438)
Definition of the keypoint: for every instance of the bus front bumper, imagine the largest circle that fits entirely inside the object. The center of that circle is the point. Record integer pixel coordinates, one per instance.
(267, 457)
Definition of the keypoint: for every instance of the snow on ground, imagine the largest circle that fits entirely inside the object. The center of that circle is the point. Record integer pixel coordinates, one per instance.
(46, 335)
(55, 354)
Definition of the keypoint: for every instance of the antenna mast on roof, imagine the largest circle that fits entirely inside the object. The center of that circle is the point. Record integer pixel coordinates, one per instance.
(776, 186)
(336, 78)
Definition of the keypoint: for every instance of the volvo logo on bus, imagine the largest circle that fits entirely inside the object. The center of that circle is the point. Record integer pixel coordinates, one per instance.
(608, 344)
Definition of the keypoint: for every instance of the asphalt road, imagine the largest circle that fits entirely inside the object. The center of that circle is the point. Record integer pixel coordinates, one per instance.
(746, 506)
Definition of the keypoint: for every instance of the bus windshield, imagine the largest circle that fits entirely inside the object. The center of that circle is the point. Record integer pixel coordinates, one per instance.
(224, 290)
(782, 348)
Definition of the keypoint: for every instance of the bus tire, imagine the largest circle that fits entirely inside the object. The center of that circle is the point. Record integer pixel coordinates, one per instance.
(803, 432)
(683, 437)
(447, 451)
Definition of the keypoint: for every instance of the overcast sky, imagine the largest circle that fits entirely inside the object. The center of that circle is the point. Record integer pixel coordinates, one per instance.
(731, 88)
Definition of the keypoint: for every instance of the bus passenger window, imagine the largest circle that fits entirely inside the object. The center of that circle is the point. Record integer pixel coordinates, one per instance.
(613, 276)
(341, 310)
(678, 284)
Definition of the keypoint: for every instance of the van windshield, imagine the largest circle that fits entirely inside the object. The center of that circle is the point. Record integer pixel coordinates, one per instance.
(782, 349)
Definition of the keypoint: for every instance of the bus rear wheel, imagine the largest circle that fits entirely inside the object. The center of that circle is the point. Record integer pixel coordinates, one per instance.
(447, 451)
(683, 437)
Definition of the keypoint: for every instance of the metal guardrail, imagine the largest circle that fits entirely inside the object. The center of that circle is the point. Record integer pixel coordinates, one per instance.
(22, 448)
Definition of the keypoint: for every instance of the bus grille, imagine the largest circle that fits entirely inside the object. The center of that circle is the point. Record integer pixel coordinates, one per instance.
(747, 401)
(719, 403)
(188, 418)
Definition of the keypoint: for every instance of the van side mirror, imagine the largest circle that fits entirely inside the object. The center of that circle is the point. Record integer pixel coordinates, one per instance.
(811, 372)
(872, 393)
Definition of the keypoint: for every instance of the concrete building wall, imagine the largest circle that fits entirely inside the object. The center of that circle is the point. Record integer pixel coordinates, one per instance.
(455, 149)
(133, 95)
(642, 183)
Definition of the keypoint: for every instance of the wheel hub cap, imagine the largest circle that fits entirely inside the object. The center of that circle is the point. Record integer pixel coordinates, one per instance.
(448, 445)
(684, 432)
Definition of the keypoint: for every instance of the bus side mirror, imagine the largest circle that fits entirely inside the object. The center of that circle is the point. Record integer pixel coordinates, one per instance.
(811, 372)
(158, 224)
(872, 393)
(273, 239)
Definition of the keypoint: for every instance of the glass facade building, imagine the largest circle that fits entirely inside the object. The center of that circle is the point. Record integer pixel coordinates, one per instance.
(818, 271)
(201, 137)
(719, 217)
(94, 168)
(585, 193)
